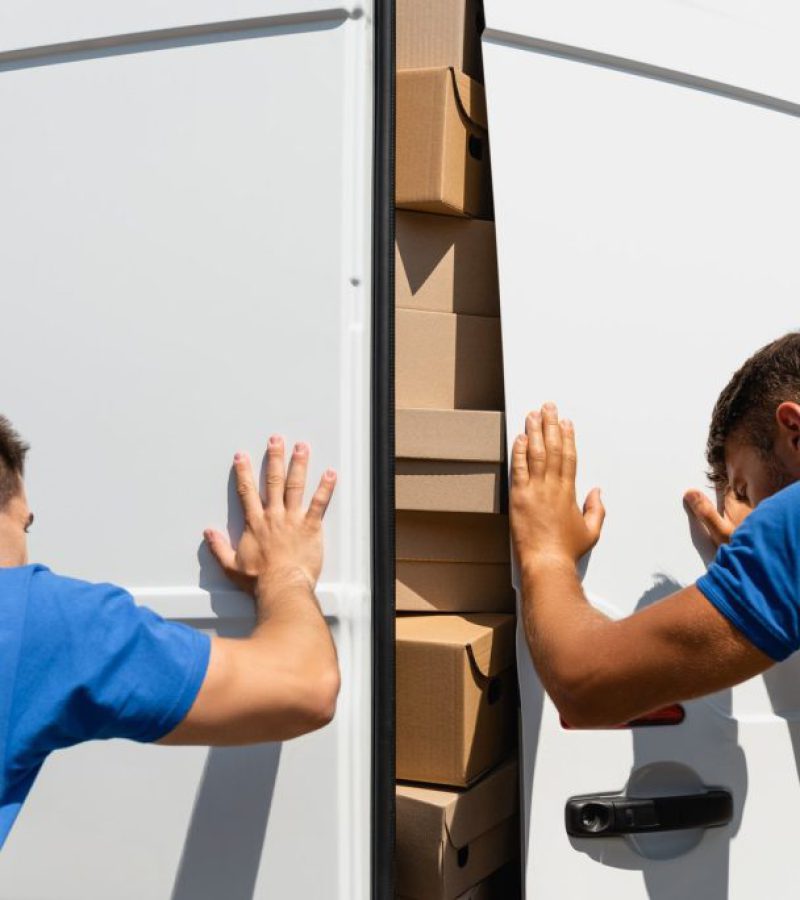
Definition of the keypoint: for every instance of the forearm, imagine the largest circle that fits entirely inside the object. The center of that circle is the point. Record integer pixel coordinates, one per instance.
(290, 628)
(564, 632)
(602, 672)
(288, 667)
(279, 682)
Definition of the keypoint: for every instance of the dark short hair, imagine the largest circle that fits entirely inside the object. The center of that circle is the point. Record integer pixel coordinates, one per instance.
(12, 461)
(746, 407)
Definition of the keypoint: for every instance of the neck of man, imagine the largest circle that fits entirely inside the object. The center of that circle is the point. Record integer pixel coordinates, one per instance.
(13, 546)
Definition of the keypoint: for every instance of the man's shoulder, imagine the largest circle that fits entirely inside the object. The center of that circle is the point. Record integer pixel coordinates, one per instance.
(783, 505)
(46, 584)
(774, 525)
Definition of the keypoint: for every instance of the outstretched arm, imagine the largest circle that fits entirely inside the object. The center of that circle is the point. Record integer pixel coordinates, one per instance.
(597, 671)
(282, 680)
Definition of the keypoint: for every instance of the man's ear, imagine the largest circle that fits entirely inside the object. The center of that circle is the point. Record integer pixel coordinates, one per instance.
(787, 416)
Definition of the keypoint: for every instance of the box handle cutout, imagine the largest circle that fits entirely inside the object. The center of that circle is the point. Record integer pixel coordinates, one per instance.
(495, 691)
(475, 147)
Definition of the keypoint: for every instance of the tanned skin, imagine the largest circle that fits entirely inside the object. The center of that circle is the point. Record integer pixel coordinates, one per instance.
(601, 672)
(283, 680)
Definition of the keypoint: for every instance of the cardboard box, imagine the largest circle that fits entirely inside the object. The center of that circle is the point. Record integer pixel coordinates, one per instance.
(448, 361)
(504, 884)
(440, 33)
(448, 486)
(442, 147)
(453, 587)
(450, 841)
(445, 264)
(456, 696)
(452, 537)
(467, 435)
(453, 562)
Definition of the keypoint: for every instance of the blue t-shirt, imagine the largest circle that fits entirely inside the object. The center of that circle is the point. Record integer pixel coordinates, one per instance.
(754, 580)
(80, 662)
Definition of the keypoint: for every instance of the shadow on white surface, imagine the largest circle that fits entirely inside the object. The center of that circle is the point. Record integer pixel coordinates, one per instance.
(672, 760)
(225, 838)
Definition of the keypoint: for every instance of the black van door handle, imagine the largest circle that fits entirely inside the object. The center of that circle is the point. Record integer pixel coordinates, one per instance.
(607, 815)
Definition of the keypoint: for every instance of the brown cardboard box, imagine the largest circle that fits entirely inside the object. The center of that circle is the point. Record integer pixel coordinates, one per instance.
(453, 562)
(448, 486)
(505, 884)
(467, 435)
(445, 264)
(449, 841)
(442, 148)
(440, 33)
(453, 587)
(448, 361)
(456, 696)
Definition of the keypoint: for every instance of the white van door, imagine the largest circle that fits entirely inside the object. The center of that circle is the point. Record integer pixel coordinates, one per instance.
(186, 226)
(646, 196)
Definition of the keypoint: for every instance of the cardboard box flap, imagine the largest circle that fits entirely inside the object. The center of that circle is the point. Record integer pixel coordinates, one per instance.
(471, 98)
(492, 651)
(483, 806)
(488, 638)
(464, 814)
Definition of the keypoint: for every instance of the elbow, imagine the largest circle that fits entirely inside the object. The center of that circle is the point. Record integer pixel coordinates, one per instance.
(589, 702)
(317, 701)
(583, 712)
(327, 696)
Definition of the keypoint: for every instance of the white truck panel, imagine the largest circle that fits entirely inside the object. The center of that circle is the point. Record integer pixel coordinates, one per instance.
(48, 27)
(185, 229)
(741, 46)
(646, 227)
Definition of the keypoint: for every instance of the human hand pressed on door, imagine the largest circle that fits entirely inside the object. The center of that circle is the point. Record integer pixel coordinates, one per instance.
(282, 541)
(546, 522)
(720, 521)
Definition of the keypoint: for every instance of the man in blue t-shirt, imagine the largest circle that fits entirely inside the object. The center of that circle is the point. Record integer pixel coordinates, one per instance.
(81, 661)
(740, 618)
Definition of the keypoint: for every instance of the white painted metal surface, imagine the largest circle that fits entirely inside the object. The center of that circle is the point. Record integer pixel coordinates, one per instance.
(646, 194)
(184, 269)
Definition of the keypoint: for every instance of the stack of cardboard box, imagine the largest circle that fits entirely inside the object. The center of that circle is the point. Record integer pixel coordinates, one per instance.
(457, 793)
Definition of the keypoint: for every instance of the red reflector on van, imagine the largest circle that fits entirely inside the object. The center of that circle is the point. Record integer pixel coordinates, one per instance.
(668, 715)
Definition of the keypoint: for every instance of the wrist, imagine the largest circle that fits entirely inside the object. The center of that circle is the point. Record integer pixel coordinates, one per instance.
(535, 564)
(274, 582)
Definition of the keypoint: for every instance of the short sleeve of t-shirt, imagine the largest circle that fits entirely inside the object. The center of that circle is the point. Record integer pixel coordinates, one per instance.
(93, 664)
(754, 580)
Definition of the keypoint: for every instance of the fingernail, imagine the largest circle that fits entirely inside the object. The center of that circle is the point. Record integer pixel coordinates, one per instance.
(534, 415)
(330, 474)
(521, 438)
(275, 440)
(549, 406)
(300, 448)
(238, 457)
(207, 534)
(566, 423)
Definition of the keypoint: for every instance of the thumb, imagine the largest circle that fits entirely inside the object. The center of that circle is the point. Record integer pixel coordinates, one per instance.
(594, 513)
(701, 507)
(221, 549)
